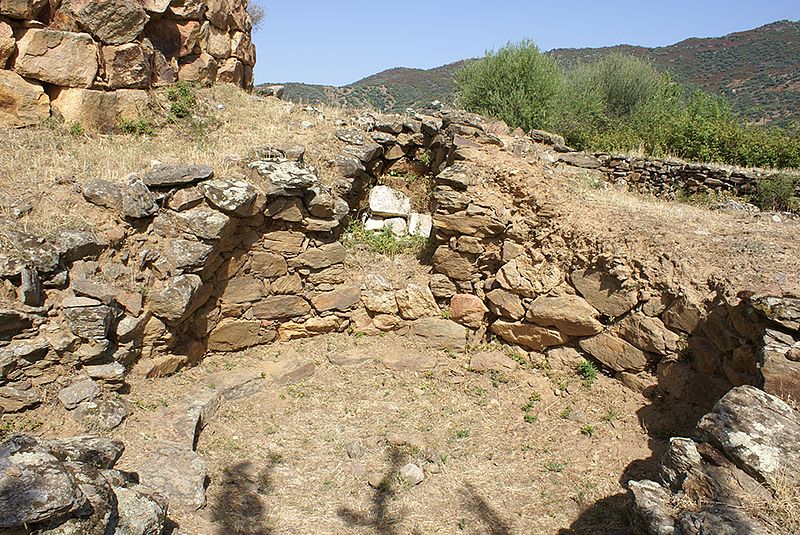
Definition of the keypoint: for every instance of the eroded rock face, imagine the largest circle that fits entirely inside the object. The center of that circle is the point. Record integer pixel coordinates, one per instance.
(717, 484)
(71, 482)
(22, 103)
(113, 22)
(60, 58)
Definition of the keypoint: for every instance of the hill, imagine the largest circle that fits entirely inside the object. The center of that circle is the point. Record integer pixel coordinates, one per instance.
(758, 70)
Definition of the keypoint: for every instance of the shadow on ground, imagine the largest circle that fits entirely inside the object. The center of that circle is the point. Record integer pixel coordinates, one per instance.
(239, 508)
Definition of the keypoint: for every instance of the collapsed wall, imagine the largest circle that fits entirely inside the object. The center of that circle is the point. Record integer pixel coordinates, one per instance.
(93, 61)
(199, 263)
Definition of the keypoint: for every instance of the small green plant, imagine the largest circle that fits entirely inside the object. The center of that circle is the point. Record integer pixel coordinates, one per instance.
(566, 413)
(183, 100)
(554, 466)
(446, 314)
(532, 400)
(587, 430)
(76, 129)
(610, 415)
(423, 157)
(382, 242)
(588, 371)
(530, 418)
(139, 127)
(462, 433)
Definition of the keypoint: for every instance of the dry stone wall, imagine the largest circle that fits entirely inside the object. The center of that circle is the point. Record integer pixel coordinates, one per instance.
(200, 263)
(669, 178)
(92, 61)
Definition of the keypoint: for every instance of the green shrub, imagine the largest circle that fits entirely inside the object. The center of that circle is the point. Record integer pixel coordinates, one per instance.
(139, 126)
(588, 371)
(76, 129)
(777, 192)
(383, 241)
(517, 83)
(183, 100)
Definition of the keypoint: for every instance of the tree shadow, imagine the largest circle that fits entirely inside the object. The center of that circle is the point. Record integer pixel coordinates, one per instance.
(379, 518)
(239, 507)
(486, 514)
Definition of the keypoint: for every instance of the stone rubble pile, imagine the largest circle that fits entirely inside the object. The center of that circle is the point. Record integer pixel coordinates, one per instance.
(92, 61)
(744, 455)
(70, 486)
(391, 209)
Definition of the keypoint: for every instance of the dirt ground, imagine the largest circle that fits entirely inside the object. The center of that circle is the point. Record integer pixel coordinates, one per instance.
(278, 461)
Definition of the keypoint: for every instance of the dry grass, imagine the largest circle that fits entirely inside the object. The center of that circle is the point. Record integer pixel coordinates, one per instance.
(278, 461)
(783, 510)
(230, 124)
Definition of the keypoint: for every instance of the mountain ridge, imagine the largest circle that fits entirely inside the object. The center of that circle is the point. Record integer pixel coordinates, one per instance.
(758, 70)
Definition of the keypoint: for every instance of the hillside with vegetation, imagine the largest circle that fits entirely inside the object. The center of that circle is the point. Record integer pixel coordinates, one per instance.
(757, 70)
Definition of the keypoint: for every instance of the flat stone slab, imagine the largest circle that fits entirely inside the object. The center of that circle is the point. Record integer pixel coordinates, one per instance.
(164, 176)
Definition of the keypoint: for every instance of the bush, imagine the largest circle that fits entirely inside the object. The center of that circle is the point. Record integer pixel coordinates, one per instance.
(183, 100)
(517, 83)
(777, 193)
(618, 104)
(139, 126)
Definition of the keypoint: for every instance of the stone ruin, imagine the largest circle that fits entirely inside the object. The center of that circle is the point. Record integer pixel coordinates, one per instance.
(197, 262)
(93, 61)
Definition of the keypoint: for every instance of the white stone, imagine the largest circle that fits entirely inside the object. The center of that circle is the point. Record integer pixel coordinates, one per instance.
(373, 223)
(412, 474)
(420, 225)
(385, 201)
(398, 225)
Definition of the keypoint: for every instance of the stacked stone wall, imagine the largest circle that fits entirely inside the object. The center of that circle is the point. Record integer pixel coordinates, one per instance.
(93, 61)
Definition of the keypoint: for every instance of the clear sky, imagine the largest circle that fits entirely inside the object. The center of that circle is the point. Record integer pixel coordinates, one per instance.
(337, 42)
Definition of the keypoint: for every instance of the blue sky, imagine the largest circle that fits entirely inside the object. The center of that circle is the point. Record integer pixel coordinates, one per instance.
(340, 41)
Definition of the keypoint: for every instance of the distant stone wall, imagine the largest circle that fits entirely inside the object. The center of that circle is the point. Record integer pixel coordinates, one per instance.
(666, 177)
(92, 61)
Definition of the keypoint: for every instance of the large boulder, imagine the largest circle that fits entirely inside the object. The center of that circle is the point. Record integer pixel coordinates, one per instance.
(174, 38)
(7, 43)
(59, 58)
(385, 201)
(113, 22)
(528, 335)
(468, 310)
(286, 177)
(232, 196)
(127, 66)
(569, 314)
(439, 333)
(529, 277)
(604, 292)
(615, 353)
(22, 9)
(22, 103)
(171, 299)
(415, 301)
(99, 110)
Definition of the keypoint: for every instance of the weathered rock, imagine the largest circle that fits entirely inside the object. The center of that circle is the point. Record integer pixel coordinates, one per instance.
(243, 290)
(87, 318)
(453, 264)
(564, 358)
(103, 193)
(234, 335)
(99, 452)
(604, 292)
(171, 299)
(22, 9)
(408, 362)
(321, 257)
(286, 177)
(457, 176)
(415, 302)
(60, 58)
(113, 22)
(98, 110)
(439, 333)
(101, 414)
(651, 508)
(528, 335)
(474, 221)
(140, 513)
(505, 304)
(77, 393)
(177, 473)
(420, 225)
(685, 312)
(113, 372)
(648, 334)
(350, 135)
(166, 176)
(22, 103)
(281, 307)
(289, 209)
(387, 202)
(79, 244)
(231, 195)
(35, 251)
(42, 487)
(340, 299)
(784, 310)
(19, 397)
(569, 314)
(488, 361)
(468, 310)
(364, 153)
(186, 255)
(528, 277)
(312, 327)
(442, 287)
(615, 353)
(412, 474)
(205, 223)
(757, 431)
(127, 65)
(579, 159)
